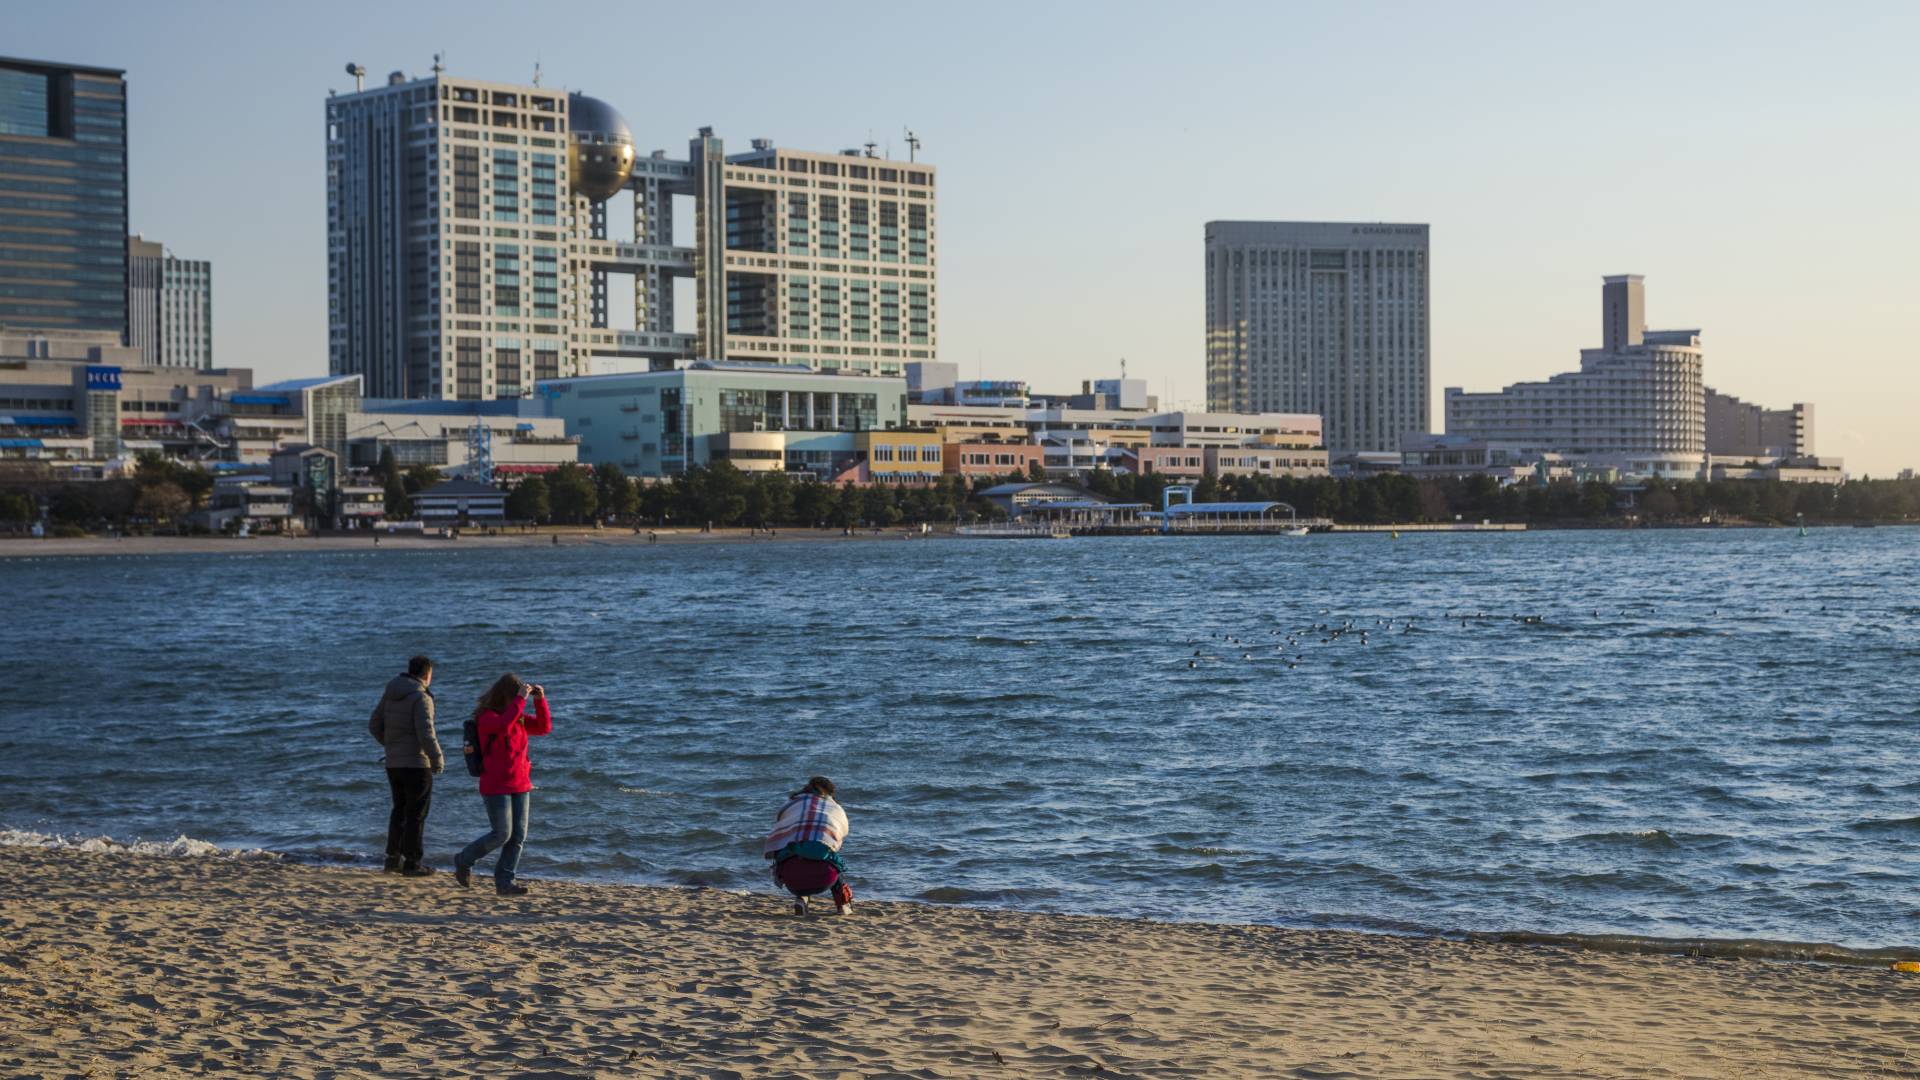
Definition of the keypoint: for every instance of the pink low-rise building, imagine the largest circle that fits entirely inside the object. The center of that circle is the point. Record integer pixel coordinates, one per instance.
(971, 459)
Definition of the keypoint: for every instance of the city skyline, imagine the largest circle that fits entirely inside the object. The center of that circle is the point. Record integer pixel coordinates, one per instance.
(1744, 175)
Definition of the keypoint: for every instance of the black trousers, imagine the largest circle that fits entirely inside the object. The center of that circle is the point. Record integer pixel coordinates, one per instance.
(412, 794)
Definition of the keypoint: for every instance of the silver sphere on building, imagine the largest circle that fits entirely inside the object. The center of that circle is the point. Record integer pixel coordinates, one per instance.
(599, 148)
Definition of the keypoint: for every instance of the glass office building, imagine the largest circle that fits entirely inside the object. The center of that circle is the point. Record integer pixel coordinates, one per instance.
(659, 423)
(63, 197)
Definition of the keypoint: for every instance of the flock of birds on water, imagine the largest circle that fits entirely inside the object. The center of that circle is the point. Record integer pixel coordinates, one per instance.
(1289, 646)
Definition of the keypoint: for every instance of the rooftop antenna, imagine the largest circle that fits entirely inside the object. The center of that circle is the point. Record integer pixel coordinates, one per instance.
(536, 73)
(359, 74)
(1123, 369)
(870, 145)
(913, 146)
(438, 67)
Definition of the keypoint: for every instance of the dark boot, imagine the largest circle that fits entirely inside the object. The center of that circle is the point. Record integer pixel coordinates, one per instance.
(393, 865)
(417, 870)
(510, 890)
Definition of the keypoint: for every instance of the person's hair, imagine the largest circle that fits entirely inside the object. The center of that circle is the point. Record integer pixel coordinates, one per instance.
(817, 785)
(499, 695)
(419, 665)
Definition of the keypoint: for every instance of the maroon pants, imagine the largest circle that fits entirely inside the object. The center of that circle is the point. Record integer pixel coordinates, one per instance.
(811, 877)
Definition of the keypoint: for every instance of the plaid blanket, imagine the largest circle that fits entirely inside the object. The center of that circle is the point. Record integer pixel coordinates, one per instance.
(808, 817)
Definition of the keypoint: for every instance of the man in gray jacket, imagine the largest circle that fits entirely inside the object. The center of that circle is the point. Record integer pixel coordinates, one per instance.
(403, 723)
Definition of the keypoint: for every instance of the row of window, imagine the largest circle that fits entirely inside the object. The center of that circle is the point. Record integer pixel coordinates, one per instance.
(890, 452)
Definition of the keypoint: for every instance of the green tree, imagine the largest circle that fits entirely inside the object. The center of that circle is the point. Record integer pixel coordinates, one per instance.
(876, 505)
(759, 508)
(528, 501)
(779, 498)
(626, 500)
(151, 467)
(814, 503)
(421, 477)
(73, 505)
(399, 505)
(655, 502)
(165, 502)
(843, 510)
(197, 482)
(614, 490)
(1659, 502)
(716, 494)
(15, 507)
(572, 495)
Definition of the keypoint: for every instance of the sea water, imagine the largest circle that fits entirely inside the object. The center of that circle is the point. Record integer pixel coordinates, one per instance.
(1686, 733)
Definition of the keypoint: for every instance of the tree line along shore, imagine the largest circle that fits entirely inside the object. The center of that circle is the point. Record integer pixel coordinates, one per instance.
(161, 494)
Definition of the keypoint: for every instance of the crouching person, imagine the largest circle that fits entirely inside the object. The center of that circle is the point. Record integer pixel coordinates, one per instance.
(805, 847)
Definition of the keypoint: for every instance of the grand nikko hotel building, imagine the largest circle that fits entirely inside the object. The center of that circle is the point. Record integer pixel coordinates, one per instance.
(1638, 407)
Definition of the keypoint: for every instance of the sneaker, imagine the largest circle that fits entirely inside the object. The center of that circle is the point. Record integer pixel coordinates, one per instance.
(843, 909)
(416, 870)
(799, 905)
(463, 875)
(510, 890)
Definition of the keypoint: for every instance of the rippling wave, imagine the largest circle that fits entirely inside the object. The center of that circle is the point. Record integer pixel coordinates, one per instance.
(1707, 736)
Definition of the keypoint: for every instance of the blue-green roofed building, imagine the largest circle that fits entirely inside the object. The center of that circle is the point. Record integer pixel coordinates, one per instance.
(762, 417)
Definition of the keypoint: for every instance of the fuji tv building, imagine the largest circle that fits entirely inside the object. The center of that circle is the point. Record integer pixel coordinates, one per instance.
(471, 251)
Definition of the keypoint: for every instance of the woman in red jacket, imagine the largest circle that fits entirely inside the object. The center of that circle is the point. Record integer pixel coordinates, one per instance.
(510, 711)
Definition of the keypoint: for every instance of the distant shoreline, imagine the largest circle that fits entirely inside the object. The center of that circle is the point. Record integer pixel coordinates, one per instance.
(93, 546)
(84, 546)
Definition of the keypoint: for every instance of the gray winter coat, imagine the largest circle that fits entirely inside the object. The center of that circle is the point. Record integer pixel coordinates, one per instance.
(403, 723)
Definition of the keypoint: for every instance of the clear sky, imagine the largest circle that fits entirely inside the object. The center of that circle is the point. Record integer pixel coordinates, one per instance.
(1758, 162)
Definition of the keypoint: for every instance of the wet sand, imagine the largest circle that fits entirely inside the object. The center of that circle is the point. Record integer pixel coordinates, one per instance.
(119, 964)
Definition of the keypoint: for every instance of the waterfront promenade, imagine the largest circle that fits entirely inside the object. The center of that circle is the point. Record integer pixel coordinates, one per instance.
(468, 540)
(124, 964)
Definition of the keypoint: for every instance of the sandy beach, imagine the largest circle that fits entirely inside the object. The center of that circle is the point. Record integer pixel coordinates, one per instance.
(52, 547)
(122, 965)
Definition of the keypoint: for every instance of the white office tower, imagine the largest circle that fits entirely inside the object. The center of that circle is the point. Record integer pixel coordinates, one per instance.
(169, 306)
(1637, 403)
(1321, 317)
(451, 214)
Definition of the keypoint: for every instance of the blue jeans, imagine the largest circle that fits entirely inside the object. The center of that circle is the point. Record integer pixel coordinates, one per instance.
(508, 816)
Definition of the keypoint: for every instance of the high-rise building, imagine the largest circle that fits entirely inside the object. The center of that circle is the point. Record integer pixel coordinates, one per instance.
(469, 249)
(1623, 310)
(1738, 429)
(169, 306)
(1637, 403)
(822, 259)
(1321, 317)
(63, 197)
(451, 214)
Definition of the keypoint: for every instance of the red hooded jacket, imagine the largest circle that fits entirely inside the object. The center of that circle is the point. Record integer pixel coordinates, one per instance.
(505, 768)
